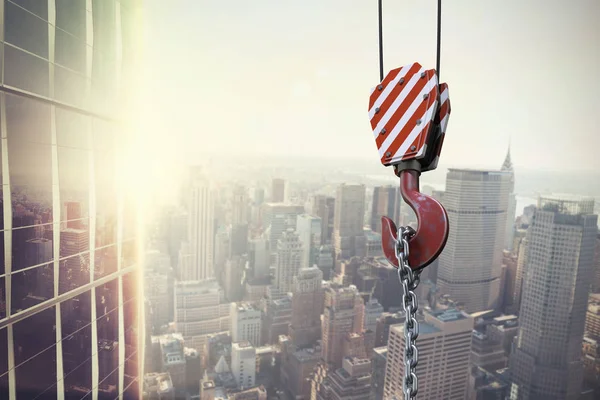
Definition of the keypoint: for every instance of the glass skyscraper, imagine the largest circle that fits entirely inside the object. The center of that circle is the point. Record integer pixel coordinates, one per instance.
(68, 270)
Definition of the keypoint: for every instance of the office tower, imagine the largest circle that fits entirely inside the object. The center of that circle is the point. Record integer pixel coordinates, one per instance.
(307, 306)
(245, 323)
(308, 229)
(288, 261)
(259, 258)
(348, 233)
(522, 255)
(350, 382)
(596, 278)
(325, 261)
(63, 95)
(386, 202)
(444, 350)
(297, 365)
(201, 225)
(277, 316)
(384, 323)
(547, 359)
(238, 240)
(172, 358)
(511, 264)
(339, 318)
(511, 211)
(278, 191)
(243, 364)
(156, 290)
(378, 364)
(470, 266)
(233, 278)
(373, 310)
(323, 207)
(277, 218)
(592, 318)
(200, 311)
(239, 206)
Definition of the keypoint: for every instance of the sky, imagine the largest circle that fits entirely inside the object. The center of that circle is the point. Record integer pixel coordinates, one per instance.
(292, 78)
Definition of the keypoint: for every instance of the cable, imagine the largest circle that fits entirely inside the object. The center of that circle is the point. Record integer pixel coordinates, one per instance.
(439, 38)
(380, 41)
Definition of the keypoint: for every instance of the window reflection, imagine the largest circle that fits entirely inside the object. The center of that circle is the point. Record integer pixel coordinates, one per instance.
(77, 352)
(105, 261)
(2, 300)
(72, 129)
(31, 287)
(129, 252)
(108, 335)
(31, 246)
(70, 16)
(38, 7)
(70, 51)
(69, 86)
(2, 261)
(30, 161)
(35, 355)
(73, 177)
(3, 364)
(25, 30)
(131, 329)
(74, 270)
(25, 71)
(106, 192)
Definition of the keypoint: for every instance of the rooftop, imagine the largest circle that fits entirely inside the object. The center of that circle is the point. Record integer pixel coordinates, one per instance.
(449, 315)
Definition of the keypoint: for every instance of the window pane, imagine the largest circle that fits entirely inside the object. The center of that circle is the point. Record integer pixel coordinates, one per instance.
(2, 270)
(35, 355)
(108, 335)
(38, 7)
(70, 51)
(30, 160)
(72, 129)
(31, 287)
(70, 16)
(106, 261)
(25, 71)
(75, 270)
(77, 349)
(2, 304)
(69, 87)
(106, 192)
(74, 184)
(3, 364)
(25, 30)
(131, 331)
(31, 246)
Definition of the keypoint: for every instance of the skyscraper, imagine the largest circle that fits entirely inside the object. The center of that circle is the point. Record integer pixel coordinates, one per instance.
(348, 232)
(444, 350)
(66, 73)
(470, 266)
(308, 229)
(201, 225)
(509, 235)
(307, 307)
(546, 363)
(288, 261)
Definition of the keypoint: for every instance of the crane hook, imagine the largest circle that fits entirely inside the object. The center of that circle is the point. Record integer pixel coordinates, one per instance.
(432, 225)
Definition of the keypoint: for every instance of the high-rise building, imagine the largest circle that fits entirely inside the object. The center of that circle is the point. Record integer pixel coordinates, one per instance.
(278, 190)
(243, 364)
(277, 218)
(239, 206)
(546, 362)
(307, 307)
(308, 229)
(386, 202)
(350, 382)
(245, 323)
(444, 351)
(348, 232)
(324, 207)
(596, 278)
(288, 261)
(339, 320)
(66, 74)
(201, 226)
(511, 211)
(469, 268)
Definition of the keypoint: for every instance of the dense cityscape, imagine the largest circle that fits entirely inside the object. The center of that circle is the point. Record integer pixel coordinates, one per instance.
(132, 271)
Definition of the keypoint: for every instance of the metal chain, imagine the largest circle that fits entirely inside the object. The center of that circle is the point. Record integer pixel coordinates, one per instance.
(409, 280)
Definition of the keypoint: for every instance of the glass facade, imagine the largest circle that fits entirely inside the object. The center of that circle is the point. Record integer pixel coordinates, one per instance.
(68, 271)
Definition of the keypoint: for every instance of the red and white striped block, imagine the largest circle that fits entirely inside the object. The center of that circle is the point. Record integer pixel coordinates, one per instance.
(443, 116)
(401, 110)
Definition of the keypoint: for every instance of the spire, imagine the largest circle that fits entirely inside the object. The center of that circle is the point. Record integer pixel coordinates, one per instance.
(507, 165)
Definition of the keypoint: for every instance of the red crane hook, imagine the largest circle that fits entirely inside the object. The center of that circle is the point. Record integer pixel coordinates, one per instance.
(432, 225)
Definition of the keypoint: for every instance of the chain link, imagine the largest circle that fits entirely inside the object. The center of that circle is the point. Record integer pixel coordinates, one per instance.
(409, 280)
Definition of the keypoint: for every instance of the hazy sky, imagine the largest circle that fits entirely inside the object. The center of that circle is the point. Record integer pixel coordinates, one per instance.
(293, 77)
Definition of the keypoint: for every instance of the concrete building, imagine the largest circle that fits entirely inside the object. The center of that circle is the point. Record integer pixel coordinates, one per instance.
(444, 352)
(348, 233)
(288, 261)
(308, 229)
(200, 311)
(307, 306)
(297, 367)
(350, 382)
(386, 202)
(201, 226)
(324, 207)
(278, 218)
(246, 323)
(547, 359)
(243, 364)
(469, 268)
(378, 368)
